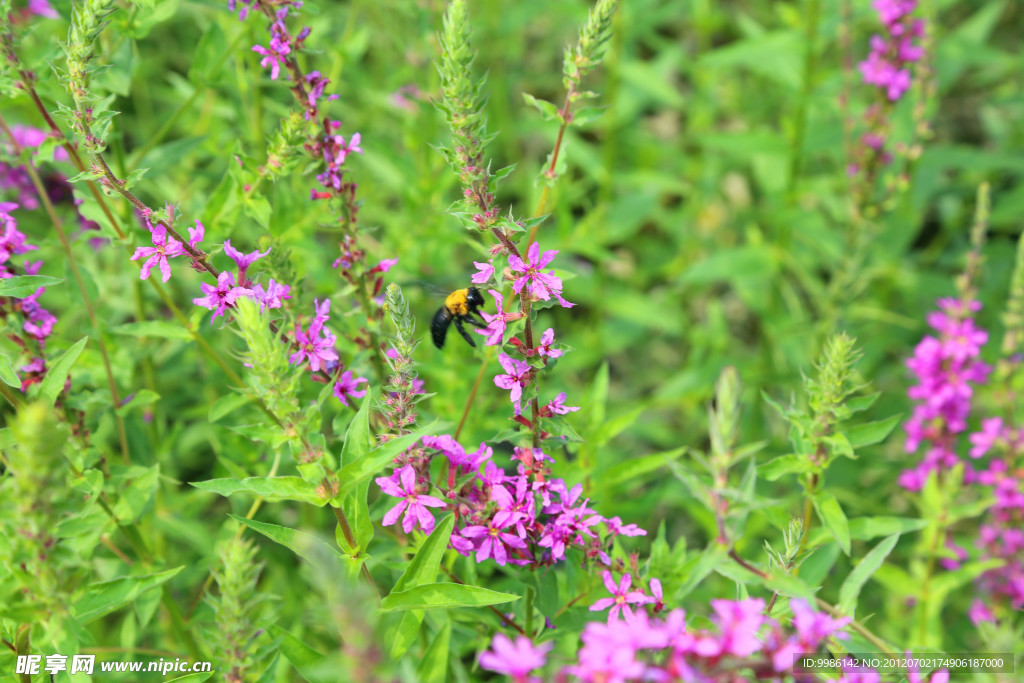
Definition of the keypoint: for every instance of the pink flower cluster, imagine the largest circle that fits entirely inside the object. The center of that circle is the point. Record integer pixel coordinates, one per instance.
(528, 518)
(36, 322)
(743, 645)
(886, 66)
(281, 41)
(945, 368)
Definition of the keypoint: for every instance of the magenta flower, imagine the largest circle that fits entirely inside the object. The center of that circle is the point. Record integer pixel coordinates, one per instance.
(517, 376)
(347, 385)
(314, 348)
(622, 600)
(546, 340)
(196, 234)
(345, 149)
(272, 296)
(157, 255)
(539, 285)
(557, 407)
(402, 484)
(486, 272)
(739, 622)
(516, 660)
(218, 299)
(243, 261)
(494, 541)
(496, 323)
(42, 8)
(384, 266)
(982, 442)
(617, 528)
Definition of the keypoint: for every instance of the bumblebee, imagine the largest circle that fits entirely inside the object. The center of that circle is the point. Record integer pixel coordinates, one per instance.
(459, 307)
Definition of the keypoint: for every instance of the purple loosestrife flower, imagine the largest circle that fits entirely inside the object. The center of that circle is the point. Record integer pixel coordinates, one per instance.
(622, 600)
(312, 347)
(496, 323)
(546, 340)
(218, 299)
(243, 261)
(157, 255)
(494, 542)
(486, 272)
(514, 659)
(539, 285)
(557, 407)
(516, 377)
(886, 66)
(345, 149)
(315, 83)
(272, 296)
(402, 484)
(738, 622)
(275, 56)
(945, 369)
(12, 240)
(347, 386)
(196, 234)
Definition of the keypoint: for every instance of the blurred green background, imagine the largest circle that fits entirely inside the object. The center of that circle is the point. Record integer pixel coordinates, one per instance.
(687, 241)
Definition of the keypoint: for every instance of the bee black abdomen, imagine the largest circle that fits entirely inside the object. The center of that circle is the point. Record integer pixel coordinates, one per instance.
(439, 326)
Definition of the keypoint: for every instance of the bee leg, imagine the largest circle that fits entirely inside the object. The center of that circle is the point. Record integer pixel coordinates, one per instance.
(475, 322)
(463, 332)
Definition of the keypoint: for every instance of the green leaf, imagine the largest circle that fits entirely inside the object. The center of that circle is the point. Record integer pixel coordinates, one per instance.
(225, 405)
(434, 666)
(861, 403)
(790, 586)
(136, 486)
(379, 458)
(309, 548)
(423, 567)
(21, 286)
(403, 632)
(152, 328)
(305, 659)
(548, 110)
(443, 596)
(871, 432)
(106, 596)
(833, 517)
(272, 489)
(786, 464)
(53, 383)
(358, 438)
(7, 372)
(867, 528)
(637, 467)
(192, 678)
(699, 567)
(865, 569)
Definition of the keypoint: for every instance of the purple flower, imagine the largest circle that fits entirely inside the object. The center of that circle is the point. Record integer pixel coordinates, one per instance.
(347, 385)
(243, 261)
(312, 347)
(157, 255)
(546, 340)
(891, 53)
(42, 8)
(516, 377)
(345, 149)
(196, 234)
(486, 272)
(622, 600)
(516, 660)
(557, 406)
(982, 442)
(617, 528)
(494, 541)
(272, 296)
(218, 299)
(496, 323)
(539, 285)
(402, 484)
(738, 622)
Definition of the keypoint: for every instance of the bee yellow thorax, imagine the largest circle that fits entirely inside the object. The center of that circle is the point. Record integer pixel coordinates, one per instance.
(456, 302)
